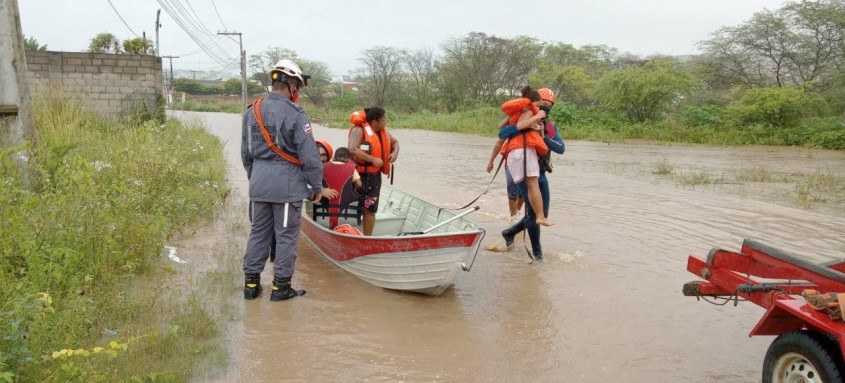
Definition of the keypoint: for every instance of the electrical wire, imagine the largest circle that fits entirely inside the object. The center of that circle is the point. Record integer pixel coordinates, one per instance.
(121, 19)
(194, 28)
(218, 16)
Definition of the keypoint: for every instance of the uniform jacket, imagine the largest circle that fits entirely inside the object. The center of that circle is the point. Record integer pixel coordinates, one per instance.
(271, 178)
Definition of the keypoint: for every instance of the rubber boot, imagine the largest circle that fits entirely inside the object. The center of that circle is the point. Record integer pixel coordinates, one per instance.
(252, 286)
(508, 239)
(282, 290)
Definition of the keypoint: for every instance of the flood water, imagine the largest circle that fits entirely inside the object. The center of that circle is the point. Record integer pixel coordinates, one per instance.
(606, 306)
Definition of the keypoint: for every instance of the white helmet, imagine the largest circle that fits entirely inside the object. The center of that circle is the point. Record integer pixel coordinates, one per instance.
(288, 68)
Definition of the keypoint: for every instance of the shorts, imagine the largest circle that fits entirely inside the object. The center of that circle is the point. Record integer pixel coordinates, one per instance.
(513, 191)
(519, 166)
(370, 189)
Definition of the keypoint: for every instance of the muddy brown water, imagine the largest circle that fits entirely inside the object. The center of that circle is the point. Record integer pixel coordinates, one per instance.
(605, 306)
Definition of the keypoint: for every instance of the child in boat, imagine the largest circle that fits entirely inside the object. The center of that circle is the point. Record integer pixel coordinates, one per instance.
(521, 152)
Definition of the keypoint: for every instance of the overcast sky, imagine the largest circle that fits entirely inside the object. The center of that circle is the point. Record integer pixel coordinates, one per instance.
(336, 31)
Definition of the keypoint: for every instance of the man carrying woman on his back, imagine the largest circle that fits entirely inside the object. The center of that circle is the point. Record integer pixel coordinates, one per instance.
(553, 142)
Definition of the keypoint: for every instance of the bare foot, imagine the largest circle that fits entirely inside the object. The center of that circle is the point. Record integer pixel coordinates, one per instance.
(544, 222)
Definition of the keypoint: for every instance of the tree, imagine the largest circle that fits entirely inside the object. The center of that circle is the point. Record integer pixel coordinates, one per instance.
(569, 82)
(261, 63)
(319, 85)
(643, 93)
(382, 65)
(485, 65)
(803, 42)
(138, 46)
(473, 65)
(776, 106)
(191, 86)
(32, 45)
(104, 43)
(421, 67)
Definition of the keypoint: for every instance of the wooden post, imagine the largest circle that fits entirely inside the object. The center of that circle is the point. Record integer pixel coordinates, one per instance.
(16, 121)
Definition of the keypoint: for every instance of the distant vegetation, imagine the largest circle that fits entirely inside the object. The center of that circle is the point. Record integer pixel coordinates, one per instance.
(777, 79)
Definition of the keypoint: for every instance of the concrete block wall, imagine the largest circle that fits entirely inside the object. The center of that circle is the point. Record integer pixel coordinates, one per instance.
(111, 84)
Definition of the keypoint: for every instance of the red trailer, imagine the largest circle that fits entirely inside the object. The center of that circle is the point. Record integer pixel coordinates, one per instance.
(801, 302)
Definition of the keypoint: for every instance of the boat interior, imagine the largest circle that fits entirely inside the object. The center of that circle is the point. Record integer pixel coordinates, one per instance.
(398, 213)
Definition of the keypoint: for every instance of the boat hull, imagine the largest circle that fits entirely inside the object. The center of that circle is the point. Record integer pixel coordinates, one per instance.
(422, 263)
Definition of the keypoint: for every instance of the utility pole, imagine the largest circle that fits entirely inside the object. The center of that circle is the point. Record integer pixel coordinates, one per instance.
(170, 91)
(158, 25)
(158, 52)
(16, 121)
(243, 64)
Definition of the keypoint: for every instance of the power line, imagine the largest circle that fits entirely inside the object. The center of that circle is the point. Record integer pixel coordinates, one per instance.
(121, 19)
(218, 16)
(194, 28)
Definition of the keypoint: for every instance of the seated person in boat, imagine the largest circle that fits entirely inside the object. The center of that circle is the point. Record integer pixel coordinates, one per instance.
(340, 175)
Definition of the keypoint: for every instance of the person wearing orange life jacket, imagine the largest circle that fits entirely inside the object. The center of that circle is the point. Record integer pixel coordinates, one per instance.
(373, 150)
(522, 151)
(555, 144)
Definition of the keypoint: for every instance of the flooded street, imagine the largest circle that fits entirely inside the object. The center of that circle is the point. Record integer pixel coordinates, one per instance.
(605, 306)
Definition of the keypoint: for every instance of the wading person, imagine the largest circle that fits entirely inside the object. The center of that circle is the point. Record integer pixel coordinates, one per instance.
(373, 150)
(555, 143)
(281, 161)
(522, 150)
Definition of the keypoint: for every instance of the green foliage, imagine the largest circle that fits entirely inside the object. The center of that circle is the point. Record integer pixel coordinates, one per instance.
(569, 82)
(643, 93)
(701, 115)
(104, 43)
(102, 198)
(31, 45)
(346, 102)
(775, 107)
(226, 104)
(138, 46)
(564, 113)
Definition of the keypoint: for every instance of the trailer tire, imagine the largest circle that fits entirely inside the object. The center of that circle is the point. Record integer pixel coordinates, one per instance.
(802, 356)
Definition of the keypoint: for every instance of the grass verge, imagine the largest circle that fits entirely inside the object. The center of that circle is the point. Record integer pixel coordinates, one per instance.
(85, 295)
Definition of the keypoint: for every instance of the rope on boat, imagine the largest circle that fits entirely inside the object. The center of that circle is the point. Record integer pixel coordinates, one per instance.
(483, 234)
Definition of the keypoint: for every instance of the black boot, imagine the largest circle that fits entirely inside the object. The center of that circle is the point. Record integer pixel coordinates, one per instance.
(282, 290)
(508, 239)
(252, 286)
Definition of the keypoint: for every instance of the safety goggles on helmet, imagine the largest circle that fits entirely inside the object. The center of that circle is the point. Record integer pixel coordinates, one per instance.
(287, 68)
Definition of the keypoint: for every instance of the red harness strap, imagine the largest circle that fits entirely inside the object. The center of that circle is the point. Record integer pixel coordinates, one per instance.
(256, 110)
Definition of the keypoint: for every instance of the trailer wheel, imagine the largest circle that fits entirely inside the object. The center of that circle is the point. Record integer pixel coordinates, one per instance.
(801, 357)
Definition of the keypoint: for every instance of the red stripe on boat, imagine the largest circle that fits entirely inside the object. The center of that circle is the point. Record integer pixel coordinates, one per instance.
(344, 248)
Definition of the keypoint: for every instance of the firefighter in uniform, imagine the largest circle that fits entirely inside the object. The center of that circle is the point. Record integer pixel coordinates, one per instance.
(284, 168)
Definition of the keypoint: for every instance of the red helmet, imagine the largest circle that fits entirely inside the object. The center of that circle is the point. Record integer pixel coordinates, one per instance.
(547, 94)
(326, 145)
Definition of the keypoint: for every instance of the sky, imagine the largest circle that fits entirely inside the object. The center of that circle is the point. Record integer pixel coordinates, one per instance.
(337, 31)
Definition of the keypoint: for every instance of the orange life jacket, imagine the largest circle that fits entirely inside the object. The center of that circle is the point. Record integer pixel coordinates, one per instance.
(378, 143)
(515, 107)
(530, 138)
(348, 229)
(339, 177)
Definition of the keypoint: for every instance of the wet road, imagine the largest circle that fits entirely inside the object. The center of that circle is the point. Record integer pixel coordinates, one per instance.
(606, 306)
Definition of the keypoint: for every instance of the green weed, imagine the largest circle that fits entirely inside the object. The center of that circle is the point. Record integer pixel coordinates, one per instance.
(86, 229)
(663, 168)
